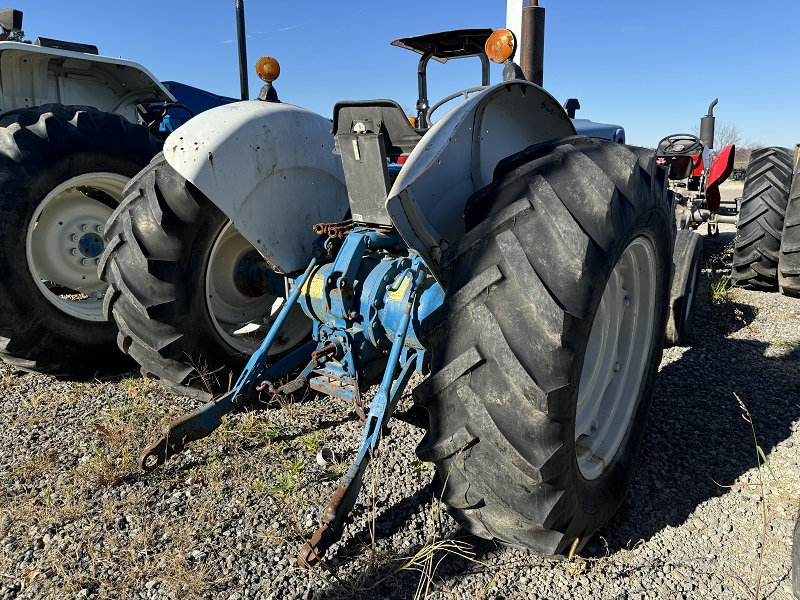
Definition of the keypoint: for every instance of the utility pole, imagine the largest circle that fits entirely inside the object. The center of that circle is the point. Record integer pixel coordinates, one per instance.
(242, 49)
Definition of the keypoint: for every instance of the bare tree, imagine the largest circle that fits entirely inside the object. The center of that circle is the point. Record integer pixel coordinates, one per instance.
(725, 134)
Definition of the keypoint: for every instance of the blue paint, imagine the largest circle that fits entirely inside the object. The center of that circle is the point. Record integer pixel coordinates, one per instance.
(91, 245)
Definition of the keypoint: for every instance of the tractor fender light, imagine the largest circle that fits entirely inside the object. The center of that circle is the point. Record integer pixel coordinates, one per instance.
(268, 69)
(501, 46)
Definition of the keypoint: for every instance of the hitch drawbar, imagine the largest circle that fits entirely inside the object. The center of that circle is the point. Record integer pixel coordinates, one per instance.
(368, 295)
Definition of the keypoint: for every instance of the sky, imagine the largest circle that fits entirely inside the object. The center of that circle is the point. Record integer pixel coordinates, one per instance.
(652, 67)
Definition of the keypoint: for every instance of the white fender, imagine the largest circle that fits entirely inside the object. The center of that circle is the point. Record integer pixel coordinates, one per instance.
(457, 157)
(32, 75)
(270, 168)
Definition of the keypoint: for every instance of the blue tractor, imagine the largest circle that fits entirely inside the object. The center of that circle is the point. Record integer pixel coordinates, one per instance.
(522, 268)
(192, 319)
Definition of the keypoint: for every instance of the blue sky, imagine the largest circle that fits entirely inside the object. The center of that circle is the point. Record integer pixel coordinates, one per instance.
(652, 67)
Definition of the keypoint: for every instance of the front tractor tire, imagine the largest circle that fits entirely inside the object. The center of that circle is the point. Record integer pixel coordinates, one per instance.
(62, 173)
(184, 287)
(688, 259)
(546, 349)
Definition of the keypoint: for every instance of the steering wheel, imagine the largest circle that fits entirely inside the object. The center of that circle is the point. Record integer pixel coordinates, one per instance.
(466, 92)
(680, 144)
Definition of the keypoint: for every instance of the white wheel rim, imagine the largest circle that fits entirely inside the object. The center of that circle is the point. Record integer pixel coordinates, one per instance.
(617, 356)
(65, 239)
(243, 320)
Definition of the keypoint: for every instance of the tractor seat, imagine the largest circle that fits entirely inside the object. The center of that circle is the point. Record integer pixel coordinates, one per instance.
(378, 116)
(680, 167)
(677, 152)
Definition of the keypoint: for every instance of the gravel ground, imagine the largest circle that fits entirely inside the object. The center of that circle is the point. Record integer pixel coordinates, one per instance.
(225, 519)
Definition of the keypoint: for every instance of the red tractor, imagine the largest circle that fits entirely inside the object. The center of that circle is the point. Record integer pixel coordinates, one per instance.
(696, 200)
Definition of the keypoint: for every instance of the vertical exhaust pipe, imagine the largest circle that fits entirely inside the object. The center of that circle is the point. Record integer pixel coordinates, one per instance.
(707, 125)
(532, 43)
(242, 49)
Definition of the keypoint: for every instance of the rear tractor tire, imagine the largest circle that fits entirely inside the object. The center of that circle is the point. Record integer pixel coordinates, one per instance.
(688, 260)
(760, 224)
(62, 173)
(180, 287)
(546, 349)
(789, 258)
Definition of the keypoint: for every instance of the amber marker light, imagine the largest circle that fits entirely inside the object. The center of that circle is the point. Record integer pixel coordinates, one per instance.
(500, 46)
(268, 69)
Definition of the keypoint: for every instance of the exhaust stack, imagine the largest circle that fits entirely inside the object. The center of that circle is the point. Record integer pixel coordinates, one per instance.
(531, 43)
(707, 125)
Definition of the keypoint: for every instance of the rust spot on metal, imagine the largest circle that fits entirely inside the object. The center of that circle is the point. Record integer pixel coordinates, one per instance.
(311, 552)
(325, 536)
(334, 230)
(328, 349)
(211, 158)
(285, 389)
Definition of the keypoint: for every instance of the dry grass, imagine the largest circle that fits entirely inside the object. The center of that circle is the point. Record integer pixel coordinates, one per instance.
(208, 379)
(247, 430)
(114, 450)
(428, 559)
(8, 381)
(762, 464)
(77, 527)
(125, 537)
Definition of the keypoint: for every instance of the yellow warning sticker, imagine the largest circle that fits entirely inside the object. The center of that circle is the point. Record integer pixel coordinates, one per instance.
(313, 287)
(398, 294)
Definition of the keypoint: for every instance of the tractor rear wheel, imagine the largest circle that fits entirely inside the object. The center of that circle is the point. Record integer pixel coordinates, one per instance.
(688, 259)
(62, 173)
(789, 258)
(546, 349)
(796, 559)
(760, 223)
(184, 286)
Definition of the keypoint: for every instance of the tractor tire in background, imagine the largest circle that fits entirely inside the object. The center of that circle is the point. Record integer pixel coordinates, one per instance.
(546, 349)
(62, 173)
(183, 287)
(789, 258)
(796, 559)
(760, 223)
(687, 258)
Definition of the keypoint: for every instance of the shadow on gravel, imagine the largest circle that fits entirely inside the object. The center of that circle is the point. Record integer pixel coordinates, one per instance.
(696, 443)
(696, 440)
